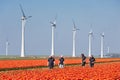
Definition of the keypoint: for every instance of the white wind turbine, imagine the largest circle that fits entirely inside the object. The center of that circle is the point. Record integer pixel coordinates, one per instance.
(24, 18)
(102, 45)
(53, 24)
(7, 44)
(74, 39)
(90, 42)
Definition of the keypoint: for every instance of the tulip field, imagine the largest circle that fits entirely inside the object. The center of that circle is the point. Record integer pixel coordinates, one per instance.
(104, 69)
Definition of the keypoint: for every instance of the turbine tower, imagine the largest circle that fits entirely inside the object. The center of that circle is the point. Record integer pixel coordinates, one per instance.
(7, 44)
(102, 45)
(24, 18)
(53, 24)
(74, 39)
(90, 42)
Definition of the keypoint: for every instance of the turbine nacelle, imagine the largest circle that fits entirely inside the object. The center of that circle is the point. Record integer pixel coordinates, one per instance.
(24, 17)
(7, 43)
(74, 27)
(53, 24)
(102, 35)
(91, 33)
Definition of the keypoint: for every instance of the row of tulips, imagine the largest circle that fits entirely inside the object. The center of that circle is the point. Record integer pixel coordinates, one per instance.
(108, 71)
(43, 62)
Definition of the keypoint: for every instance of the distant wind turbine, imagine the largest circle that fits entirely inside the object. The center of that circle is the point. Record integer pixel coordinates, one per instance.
(7, 44)
(90, 42)
(108, 49)
(24, 18)
(74, 39)
(102, 45)
(53, 24)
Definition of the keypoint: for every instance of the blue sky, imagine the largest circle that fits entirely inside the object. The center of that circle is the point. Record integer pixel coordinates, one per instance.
(104, 15)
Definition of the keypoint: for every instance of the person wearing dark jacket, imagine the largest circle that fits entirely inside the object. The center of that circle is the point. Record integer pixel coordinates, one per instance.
(61, 62)
(51, 62)
(92, 61)
(83, 59)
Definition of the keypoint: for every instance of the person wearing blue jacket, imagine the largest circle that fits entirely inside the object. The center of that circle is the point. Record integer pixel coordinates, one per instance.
(83, 59)
(61, 62)
(92, 61)
(51, 61)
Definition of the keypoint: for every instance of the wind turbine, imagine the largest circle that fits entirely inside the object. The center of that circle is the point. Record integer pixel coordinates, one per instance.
(24, 18)
(53, 24)
(7, 44)
(90, 42)
(74, 39)
(102, 44)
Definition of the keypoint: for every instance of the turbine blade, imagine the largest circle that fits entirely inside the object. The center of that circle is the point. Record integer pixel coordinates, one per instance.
(51, 22)
(91, 31)
(22, 10)
(54, 22)
(29, 17)
(55, 19)
(74, 24)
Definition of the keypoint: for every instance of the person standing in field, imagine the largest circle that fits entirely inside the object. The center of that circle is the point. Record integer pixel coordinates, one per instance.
(92, 61)
(61, 62)
(51, 61)
(83, 59)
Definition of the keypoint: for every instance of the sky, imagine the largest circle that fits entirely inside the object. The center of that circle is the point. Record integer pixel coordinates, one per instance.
(103, 15)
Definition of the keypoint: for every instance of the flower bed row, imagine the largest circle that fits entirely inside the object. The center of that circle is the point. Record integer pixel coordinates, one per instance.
(108, 71)
(6, 64)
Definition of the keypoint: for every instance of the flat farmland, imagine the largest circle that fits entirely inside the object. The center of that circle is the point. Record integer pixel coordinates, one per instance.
(104, 69)
(26, 63)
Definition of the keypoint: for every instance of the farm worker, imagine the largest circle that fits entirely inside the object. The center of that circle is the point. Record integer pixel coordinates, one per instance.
(51, 61)
(92, 61)
(61, 62)
(83, 59)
